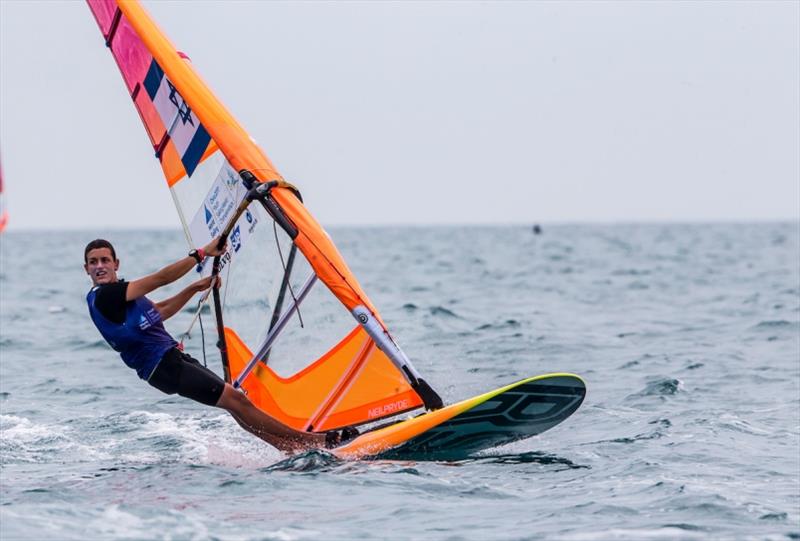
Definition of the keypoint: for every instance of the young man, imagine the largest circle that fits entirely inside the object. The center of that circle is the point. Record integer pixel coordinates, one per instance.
(133, 326)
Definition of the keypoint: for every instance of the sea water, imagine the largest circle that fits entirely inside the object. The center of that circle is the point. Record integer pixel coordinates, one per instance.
(688, 337)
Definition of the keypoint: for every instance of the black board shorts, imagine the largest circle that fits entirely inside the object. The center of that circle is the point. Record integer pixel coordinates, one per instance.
(180, 373)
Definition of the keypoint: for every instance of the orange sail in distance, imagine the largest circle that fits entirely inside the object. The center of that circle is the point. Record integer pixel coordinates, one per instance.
(224, 184)
(3, 210)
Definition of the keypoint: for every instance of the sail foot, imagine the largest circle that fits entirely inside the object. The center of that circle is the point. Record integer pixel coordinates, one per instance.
(353, 383)
(429, 397)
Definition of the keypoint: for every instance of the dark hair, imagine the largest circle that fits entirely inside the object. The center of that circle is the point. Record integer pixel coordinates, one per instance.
(94, 245)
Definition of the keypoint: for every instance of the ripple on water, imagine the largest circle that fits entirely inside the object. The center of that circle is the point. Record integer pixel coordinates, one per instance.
(659, 387)
(529, 457)
(8, 344)
(25, 441)
(777, 517)
(313, 461)
(441, 311)
(659, 428)
(775, 324)
(83, 344)
(507, 324)
(734, 423)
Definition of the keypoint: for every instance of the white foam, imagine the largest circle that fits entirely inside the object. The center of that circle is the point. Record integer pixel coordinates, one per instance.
(209, 439)
(22, 430)
(29, 440)
(735, 422)
(117, 523)
(230, 445)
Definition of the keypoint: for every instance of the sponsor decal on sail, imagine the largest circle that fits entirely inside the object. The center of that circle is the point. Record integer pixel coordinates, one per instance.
(218, 206)
(388, 409)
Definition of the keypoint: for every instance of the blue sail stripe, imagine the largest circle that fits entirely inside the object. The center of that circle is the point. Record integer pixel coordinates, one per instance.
(191, 158)
(153, 79)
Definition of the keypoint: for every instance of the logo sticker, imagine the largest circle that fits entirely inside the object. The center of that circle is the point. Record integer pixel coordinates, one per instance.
(388, 409)
(216, 210)
(236, 239)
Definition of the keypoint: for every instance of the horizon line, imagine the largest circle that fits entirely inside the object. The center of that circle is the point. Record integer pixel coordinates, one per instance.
(555, 223)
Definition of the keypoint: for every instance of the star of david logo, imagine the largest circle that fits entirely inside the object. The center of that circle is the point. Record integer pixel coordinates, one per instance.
(183, 110)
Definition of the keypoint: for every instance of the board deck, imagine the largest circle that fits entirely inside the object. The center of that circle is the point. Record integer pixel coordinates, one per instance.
(514, 412)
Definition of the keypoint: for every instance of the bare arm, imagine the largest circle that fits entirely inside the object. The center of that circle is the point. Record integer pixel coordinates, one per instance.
(168, 274)
(169, 307)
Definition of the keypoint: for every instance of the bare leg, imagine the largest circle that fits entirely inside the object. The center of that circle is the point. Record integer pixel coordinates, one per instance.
(265, 427)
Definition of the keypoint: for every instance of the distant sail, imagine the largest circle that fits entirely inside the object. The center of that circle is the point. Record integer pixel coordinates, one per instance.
(208, 161)
(3, 210)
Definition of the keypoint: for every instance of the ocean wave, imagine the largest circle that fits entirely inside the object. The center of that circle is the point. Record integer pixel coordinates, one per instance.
(660, 387)
(528, 457)
(124, 522)
(734, 423)
(659, 430)
(83, 344)
(441, 311)
(507, 324)
(776, 324)
(631, 272)
(25, 441)
(315, 460)
(144, 437)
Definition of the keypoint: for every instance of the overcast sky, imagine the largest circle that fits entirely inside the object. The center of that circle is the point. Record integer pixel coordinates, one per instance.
(426, 112)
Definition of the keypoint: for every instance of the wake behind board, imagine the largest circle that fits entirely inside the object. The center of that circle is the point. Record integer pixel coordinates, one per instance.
(514, 412)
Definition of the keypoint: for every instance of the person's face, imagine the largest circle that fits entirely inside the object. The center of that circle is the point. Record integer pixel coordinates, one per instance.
(101, 266)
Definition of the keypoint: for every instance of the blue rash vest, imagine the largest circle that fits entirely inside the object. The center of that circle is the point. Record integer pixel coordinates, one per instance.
(141, 339)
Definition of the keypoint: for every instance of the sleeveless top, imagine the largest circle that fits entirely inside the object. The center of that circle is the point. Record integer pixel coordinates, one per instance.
(141, 339)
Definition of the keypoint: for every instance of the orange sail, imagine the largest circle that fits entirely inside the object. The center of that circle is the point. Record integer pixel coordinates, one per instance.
(223, 183)
(145, 56)
(3, 211)
(351, 384)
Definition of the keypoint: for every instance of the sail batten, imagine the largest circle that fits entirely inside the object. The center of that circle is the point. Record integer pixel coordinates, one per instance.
(112, 31)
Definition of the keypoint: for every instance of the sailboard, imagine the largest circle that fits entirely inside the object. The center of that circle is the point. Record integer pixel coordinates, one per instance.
(224, 185)
(514, 412)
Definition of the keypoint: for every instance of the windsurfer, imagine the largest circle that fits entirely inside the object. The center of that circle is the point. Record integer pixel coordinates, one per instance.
(133, 326)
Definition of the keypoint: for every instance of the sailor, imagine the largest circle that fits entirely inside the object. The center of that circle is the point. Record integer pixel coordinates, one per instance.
(133, 326)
